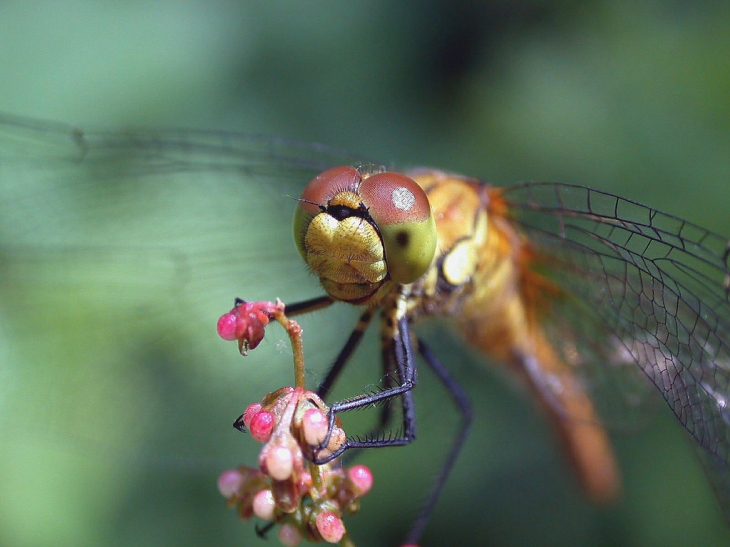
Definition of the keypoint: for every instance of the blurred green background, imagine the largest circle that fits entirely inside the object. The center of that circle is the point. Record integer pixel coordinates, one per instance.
(630, 97)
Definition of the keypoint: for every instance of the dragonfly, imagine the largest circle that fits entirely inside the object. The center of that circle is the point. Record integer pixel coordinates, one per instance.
(119, 244)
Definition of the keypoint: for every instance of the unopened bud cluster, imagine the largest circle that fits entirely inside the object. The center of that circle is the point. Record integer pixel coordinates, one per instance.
(307, 501)
(246, 323)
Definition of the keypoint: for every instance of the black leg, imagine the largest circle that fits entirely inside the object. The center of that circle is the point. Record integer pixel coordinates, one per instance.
(397, 355)
(345, 353)
(306, 306)
(299, 308)
(405, 364)
(388, 380)
(460, 398)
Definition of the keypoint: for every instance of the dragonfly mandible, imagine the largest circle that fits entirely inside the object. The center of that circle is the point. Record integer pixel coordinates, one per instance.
(578, 291)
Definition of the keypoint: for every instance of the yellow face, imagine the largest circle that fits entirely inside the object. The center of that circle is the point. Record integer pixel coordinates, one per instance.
(361, 234)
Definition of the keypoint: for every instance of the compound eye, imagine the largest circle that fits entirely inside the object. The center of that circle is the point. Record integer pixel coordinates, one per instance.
(402, 212)
(327, 185)
(318, 193)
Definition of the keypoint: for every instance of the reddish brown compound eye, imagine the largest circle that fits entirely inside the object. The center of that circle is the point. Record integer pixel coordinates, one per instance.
(318, 193)
(327, 185)
(392, 198)
(402, 212)
(397, 205)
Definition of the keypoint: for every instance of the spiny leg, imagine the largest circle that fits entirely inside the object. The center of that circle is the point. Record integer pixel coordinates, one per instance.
(350, 346)
(388, 379)
(397, 349)
(461, 400)
(386, 414)
(405, 364)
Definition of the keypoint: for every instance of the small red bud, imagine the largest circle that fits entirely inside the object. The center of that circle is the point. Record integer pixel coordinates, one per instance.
(250, 412)
(227, 327)
(261, 426)
(361, 477)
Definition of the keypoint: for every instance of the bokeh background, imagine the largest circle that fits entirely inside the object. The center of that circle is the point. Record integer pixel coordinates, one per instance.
(630, 97)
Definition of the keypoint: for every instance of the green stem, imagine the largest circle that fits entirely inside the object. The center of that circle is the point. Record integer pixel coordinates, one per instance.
(346, 541)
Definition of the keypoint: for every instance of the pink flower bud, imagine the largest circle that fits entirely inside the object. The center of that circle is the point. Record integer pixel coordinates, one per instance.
(261, 426)
(229, 483)
(263, 504)
(314, 426)
(361, 478)
(330, 527)
(289, 535)
(246, 323)
(227, 327)
(279, 463)
(251, 411)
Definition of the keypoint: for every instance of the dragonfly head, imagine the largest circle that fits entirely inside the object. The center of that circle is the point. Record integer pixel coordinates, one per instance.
(362, 233)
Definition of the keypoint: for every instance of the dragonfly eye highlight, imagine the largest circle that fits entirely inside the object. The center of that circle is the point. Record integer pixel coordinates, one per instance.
(401, 210)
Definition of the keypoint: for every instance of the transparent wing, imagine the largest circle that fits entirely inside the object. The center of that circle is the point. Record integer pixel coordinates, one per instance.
(596, 357)
(118, 252)
(659, 283)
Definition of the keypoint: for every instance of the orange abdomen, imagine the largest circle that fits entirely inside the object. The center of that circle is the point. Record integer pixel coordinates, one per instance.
(505, 322)
(500, 304)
